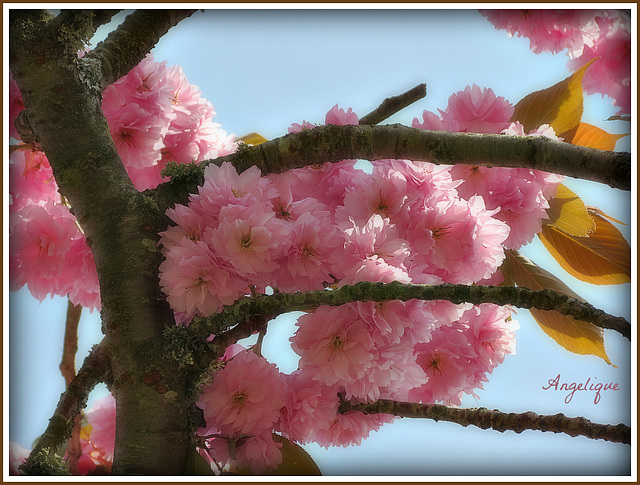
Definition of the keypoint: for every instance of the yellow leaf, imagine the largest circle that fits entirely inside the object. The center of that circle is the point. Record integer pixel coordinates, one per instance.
(559, 106)
(604, 214)
(85, 432)
(601, 258)
(593, 137)
(295, 460)
(574, 335)
(568, 213)
(252, 138)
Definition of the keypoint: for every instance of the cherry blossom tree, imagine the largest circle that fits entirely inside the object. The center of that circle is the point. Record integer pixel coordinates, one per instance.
(128, 198)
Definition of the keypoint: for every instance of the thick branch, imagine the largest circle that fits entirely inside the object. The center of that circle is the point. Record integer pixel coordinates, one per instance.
(484, 418)
(125, 47)
(95, 369)
(392, 105)
(333, 143)
(276, 304)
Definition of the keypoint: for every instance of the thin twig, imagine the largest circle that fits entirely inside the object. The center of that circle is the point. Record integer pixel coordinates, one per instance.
(392, 105)
(68, 369)
(484, 418)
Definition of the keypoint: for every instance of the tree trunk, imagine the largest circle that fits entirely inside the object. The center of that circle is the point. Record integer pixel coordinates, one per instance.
(62, 96)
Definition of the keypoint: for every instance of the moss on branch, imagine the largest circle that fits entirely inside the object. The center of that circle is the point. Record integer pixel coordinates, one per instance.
(246, 315)
(95, 369)
(334, 143)
(484, 418)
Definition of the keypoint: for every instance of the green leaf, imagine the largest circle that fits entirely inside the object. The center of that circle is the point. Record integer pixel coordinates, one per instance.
(576, 336)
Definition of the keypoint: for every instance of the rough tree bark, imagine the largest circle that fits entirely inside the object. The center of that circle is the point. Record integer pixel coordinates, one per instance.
(62, 96)
(63, 116)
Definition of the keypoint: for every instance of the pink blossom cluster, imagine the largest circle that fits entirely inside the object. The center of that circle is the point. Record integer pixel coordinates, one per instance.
(320, 226)
(155, 115)
(518, 196)
(419, 351)
(587, 35)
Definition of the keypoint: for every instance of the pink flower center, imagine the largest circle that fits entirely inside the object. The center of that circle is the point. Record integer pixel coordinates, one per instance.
(441, 231)
(245, 241)
(238, 399)
(336, 343)
(126, 137)
(436, 363)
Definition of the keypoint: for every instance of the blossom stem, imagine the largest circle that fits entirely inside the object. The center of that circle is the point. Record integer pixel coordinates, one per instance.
(484, 418)
(271, 306)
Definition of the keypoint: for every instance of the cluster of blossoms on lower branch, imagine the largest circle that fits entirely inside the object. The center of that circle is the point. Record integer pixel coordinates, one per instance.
(360, 352)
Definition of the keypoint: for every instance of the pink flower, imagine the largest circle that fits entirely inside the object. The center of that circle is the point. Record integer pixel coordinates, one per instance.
(448, 362)
(102, 418)
(245, 397)
(31, 179)
(137, 135)
(432, 121)
(305, 264)
(492, 333)
(384, 193)
(223, 185)
(350, 429)
(254, 455)
(248, 238)
(334, 345)
(309, 406)
(548, 30)
(297, 128)
(85, 288)
(478, 111)
(611, 73)
(337, 116)
(39, 241)
(459, 241)
(195, 282)
(17, 456)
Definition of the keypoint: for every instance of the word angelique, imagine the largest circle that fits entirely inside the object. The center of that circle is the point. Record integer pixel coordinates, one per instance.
(581, 386)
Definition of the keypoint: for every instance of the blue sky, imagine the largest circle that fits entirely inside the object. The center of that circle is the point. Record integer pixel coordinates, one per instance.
(262, 71)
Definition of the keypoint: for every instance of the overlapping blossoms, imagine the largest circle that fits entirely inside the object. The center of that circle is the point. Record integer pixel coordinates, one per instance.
(338, 224)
